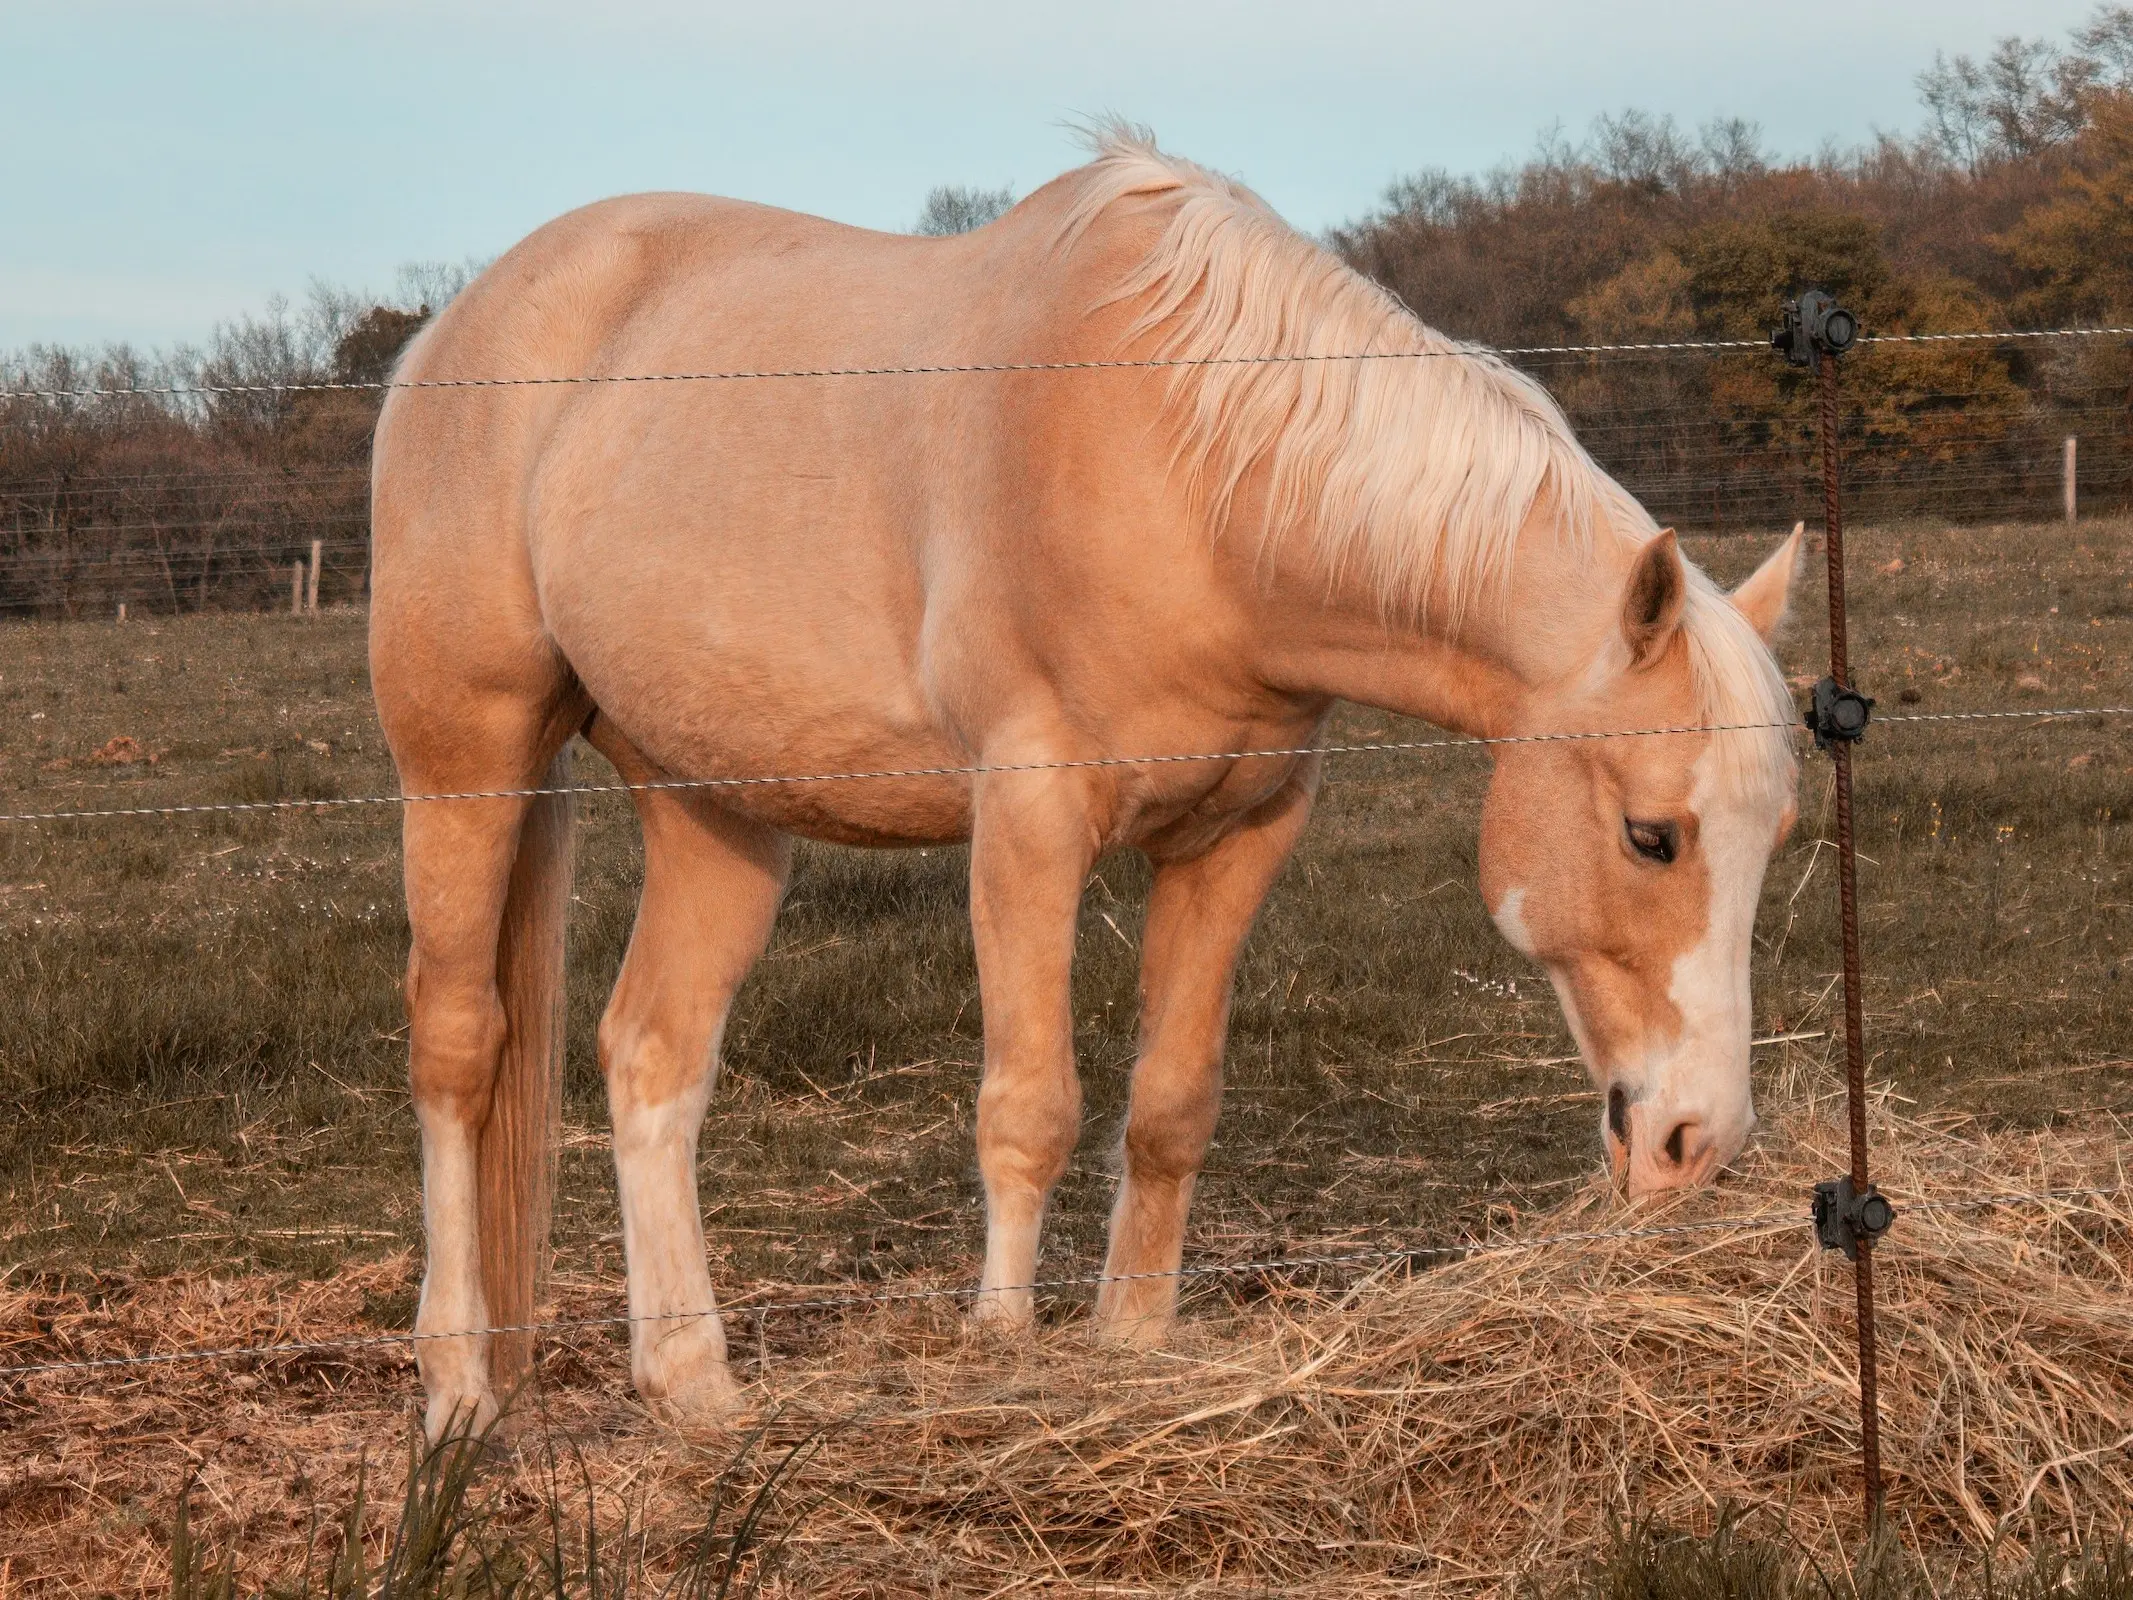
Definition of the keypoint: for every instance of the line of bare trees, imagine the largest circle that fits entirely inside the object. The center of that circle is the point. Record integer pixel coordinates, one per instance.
(200, 501)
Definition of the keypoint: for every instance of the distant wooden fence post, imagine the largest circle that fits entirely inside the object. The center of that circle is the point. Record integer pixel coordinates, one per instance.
(122, 611)
(296, 588)
(2066, 487)
(311, 588)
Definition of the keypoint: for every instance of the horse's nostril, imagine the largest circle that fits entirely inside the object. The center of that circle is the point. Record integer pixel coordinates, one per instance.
(1618, 1114)
(1675, 1142)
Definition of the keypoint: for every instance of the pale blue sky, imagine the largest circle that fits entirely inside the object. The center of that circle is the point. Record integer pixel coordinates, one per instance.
(169, 163)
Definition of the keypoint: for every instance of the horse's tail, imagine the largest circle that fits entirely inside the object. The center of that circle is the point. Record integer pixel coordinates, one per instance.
(517, 1151)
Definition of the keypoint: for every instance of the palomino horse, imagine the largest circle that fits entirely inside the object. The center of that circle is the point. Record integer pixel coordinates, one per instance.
(997, 568)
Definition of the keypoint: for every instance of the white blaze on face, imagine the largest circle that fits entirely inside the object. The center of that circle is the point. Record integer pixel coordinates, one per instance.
(1701, 1083)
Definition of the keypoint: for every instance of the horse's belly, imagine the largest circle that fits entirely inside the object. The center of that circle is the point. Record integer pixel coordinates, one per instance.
(847, 782)
(809, 727)
(866, 812)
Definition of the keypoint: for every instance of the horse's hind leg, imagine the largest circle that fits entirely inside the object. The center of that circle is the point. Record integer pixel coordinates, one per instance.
(712, 882)
(1199, 912)
(466, 867)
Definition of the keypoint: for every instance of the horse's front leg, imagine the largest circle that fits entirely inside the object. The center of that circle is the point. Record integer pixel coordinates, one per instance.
(1198, 914)
(712, 884)
(1032, 844)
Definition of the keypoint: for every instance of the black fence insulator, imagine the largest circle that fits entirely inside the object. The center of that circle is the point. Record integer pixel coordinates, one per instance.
(1844, 1215)
(1837, 712)
(1814, 326)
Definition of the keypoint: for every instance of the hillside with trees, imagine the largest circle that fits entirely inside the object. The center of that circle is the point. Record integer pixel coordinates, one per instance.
(2011, 208)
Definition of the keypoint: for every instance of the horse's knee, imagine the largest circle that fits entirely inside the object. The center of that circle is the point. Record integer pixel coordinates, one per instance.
(1170, 1124)
(652, 1067)
(1027, 1129)
(455, 1042)
(620, 1046)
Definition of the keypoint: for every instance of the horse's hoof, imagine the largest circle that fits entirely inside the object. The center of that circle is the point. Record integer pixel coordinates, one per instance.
(1001, 1313)
(459, 1414)
(1149, 1332)
(702, 1417)
(711, 1405)
(693, 1389)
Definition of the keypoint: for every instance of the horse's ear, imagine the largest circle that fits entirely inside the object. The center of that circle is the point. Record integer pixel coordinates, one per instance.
(1651, 606)
(1762, 599)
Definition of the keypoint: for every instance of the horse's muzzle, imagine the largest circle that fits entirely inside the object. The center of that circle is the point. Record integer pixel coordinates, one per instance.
(1651, 1147)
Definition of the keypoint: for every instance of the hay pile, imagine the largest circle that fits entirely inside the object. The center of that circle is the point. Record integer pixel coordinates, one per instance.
(1451, 1429)
(1465, 1425)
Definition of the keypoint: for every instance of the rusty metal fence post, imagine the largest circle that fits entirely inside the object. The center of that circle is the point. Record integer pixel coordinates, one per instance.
(1849, 1214)
(1840, 751)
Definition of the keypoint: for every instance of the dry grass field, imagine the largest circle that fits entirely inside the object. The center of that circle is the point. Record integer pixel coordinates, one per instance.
(205, 1134)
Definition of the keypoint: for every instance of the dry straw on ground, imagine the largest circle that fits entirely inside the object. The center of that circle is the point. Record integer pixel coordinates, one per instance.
(1454, 1428)
(1480, 1420)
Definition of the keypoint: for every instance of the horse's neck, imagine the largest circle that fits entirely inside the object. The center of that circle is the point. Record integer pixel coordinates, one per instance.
(1475, 674)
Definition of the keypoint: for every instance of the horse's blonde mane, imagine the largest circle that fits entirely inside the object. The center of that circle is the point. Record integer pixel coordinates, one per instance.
(1413, 472)
(1739, 685)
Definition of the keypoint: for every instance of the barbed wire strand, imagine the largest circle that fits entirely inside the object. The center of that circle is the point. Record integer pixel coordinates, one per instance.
(2054, 713)
(945, 369)
(1760, 1221)
(1589, 419)
(2037, 1197)
(979, 769)
(1381, 1256)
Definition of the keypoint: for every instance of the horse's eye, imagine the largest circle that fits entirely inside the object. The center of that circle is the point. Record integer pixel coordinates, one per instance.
(1655, 841)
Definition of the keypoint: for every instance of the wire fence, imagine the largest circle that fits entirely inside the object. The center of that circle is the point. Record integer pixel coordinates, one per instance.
(1707, 437)
(1447, 349)
(2039, 715)
(1375, 1258)
(1982, 465)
